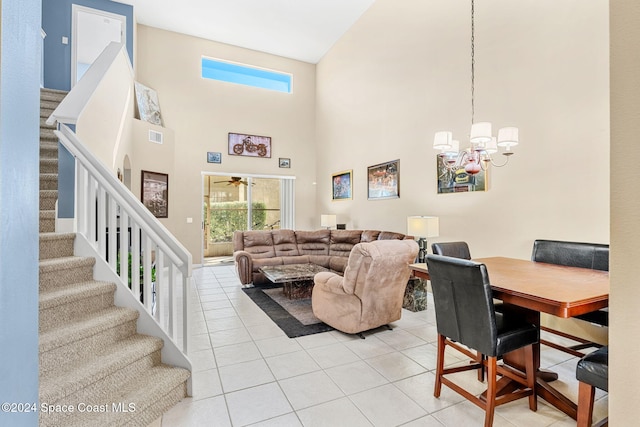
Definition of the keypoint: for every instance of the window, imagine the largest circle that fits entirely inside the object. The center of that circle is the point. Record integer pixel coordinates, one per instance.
(216, 69)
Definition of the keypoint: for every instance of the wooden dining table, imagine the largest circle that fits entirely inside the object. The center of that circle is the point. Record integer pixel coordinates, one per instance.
(533, 288)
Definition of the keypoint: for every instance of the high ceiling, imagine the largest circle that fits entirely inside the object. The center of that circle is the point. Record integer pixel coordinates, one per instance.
(300, 29)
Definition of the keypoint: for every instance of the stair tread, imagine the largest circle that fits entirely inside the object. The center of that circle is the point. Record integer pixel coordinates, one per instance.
(144, 391)
(84, 327)
(57, 236)
(77, 291)
(53, 264)
(113, 372)
(115, 357)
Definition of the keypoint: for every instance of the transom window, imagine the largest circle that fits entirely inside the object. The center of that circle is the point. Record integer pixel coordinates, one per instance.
(230, 72)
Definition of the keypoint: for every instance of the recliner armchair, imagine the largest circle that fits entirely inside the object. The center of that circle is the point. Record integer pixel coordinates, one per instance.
(371, 292)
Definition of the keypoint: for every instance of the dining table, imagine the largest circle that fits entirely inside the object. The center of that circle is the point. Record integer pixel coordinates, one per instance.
(532, 288)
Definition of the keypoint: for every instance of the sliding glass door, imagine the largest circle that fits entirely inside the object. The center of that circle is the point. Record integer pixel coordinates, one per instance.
(242, 203)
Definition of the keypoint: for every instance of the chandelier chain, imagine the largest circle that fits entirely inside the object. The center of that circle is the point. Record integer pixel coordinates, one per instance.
(473, 62)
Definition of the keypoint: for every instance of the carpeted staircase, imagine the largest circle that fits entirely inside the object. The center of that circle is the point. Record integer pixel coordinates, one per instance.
(91, 358)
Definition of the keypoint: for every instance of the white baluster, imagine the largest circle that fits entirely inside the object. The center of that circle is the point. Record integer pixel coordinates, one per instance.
(135, 259)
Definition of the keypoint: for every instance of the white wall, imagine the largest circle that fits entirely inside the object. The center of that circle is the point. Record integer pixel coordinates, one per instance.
(402, 72)
(202, 112)
(625, 203)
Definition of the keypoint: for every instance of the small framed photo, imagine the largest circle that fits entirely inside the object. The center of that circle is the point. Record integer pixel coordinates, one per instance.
(249, 145)
(155, 193)
(213, 157)
(284, 162)
(383, 180)
(341, 185)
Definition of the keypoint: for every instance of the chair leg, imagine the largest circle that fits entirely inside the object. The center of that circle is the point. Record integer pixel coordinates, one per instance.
(439, 365)
(491, 391)
(480, 358)
(531, 377)
(586, 393)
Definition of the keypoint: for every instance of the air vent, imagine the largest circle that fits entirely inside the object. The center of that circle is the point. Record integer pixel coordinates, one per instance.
(155, 136)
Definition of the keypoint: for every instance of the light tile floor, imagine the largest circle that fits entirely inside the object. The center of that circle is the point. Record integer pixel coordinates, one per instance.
(247, 372)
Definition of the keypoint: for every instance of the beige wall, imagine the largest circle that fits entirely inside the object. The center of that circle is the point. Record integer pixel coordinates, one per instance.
(105, 123)
(152, 157)
(202, 112)
(625, 204)
(402, 72)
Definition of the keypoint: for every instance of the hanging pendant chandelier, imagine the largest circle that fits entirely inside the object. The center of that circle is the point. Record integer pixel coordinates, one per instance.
(483, 144)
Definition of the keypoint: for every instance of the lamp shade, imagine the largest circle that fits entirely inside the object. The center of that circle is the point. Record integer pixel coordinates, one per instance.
(480, 133)
(491, 146)
(423, 226)
(327, 221)
(454, 149)
(442, 140)
(508, 137)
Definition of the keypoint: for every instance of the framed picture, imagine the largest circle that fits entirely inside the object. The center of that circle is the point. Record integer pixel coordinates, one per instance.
(148, 105)
(284, 163)
(341, 185)
(383, 180)
(214, 157)
(458, 181)
(249, 145)
(155, 193)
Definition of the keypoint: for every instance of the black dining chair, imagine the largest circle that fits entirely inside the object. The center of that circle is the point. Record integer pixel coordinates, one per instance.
(574, 254)
(457, 250)
(452, 249)
(467, 321)
(592, 371)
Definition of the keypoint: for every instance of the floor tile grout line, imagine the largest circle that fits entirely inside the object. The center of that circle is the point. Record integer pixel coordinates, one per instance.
(229, 296)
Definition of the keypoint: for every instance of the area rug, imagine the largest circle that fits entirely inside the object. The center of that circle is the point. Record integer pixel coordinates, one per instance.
(294, 317)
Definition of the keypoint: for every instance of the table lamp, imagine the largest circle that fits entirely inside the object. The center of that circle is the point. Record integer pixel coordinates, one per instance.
(423, 227)
(328, 221)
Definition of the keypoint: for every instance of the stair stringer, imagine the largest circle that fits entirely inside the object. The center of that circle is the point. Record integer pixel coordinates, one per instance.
(146, 324)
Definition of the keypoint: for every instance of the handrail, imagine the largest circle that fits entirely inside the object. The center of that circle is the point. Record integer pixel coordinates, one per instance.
(72, 105)
(132, 248)
(177, 252)
(104, 203)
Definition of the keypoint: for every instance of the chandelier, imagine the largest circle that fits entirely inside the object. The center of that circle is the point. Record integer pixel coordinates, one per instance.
(478, 156)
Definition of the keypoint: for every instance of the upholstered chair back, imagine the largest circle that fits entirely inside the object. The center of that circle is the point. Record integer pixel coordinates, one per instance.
(463, 302)
(572, 254)
(454, 249)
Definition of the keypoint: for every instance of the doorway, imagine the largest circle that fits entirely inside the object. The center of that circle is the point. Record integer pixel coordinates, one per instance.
(241, 202)
(92, 31)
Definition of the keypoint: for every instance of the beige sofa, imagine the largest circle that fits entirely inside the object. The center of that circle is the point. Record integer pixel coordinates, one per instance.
(327, 248)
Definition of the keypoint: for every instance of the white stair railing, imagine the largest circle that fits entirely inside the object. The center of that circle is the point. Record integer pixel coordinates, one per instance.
(135, 245)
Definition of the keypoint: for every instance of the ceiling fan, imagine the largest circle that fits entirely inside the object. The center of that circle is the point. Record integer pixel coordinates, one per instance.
(235, 181)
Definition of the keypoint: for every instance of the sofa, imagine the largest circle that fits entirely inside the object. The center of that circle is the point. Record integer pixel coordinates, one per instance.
(327, 248)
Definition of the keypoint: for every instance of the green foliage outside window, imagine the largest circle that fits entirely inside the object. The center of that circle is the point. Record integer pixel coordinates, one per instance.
(227, 217)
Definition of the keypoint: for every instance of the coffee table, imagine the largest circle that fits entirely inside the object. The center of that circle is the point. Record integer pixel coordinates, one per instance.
(296, 279)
